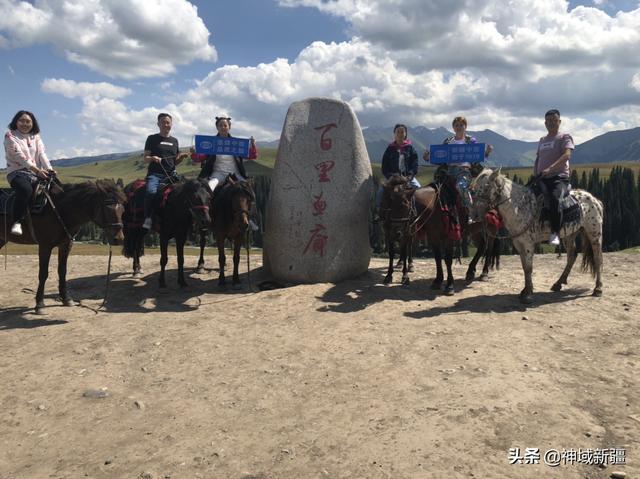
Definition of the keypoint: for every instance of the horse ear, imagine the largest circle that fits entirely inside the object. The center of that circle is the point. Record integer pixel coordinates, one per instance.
(494, 175)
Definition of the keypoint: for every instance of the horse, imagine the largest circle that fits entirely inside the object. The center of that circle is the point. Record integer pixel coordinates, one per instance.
(231, 206)
(521, 211)
(183, 203)
(398, 212)
(68, 207)
(408, 211)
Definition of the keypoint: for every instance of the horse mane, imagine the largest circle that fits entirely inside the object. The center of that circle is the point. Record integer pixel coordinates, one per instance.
(89, 191)
(395, 180)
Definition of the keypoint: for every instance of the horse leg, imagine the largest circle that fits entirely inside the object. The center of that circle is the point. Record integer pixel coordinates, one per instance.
(595, 242)
(448, 259)
(180, 254)
(410, 252)
(203, 243)
(570, 245)
(221, 261)
(405, 251)
(164, 258)
(389, 276)
(488, 258)
(237, 245)
(63, 255)
(526, 258)
(437, 255)
(44, 254)
(471, 270)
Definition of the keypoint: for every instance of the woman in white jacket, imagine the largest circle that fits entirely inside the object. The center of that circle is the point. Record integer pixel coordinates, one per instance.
(26, 162)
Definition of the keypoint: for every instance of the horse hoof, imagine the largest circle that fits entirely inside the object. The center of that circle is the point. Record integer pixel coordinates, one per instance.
(405, 281)
(387, 280)
(526, 299)
(470, 277)
(449, 291)
(69, 302)
(483, 277)
(556, 287)
(410, 268)
(39, 310)
(199, 270)
(597, 293)
(137, 275)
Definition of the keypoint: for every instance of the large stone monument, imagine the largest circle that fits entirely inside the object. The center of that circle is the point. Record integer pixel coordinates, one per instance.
(317, 216)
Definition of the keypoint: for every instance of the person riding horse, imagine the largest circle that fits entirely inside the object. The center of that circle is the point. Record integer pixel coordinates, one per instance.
(552, 167)
(162, 153)
(400, 158)
(460, 173)
(215, 169)
(27, 163)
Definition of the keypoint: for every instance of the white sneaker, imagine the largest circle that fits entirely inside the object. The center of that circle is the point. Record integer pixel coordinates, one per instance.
(147, 223)
(554, 240)
(253, 226)
(16, 229)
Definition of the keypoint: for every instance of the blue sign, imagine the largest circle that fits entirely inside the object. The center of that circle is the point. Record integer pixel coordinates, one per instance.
(467, 153)
(220, 145)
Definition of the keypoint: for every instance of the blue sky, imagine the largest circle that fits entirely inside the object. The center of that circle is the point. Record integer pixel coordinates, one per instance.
(97, 73)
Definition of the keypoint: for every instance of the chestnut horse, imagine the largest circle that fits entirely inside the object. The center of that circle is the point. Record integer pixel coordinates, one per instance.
(407, 211)
(185, 203)
(59, 222)
(231, 207)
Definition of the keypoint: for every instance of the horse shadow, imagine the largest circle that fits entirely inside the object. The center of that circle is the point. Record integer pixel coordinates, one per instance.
(500, 303)
(368, 289)
(23, 318)
(127, 294)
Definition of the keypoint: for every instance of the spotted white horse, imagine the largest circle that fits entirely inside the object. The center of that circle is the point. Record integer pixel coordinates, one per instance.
(521, 211)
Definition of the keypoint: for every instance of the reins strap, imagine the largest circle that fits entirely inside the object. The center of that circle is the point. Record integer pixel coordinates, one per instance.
(55, 210)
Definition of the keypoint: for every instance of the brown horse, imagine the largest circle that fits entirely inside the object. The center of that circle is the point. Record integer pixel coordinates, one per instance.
(185, 203)
(231, 207)
(59, 222)
(408, 211)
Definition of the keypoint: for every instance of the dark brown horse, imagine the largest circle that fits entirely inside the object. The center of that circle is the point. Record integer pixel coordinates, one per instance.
(72, 206)
(231, 208)
(408, 211)
(184, 203)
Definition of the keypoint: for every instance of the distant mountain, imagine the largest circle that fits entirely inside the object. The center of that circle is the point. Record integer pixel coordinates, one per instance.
(611, 147)
(614, 146)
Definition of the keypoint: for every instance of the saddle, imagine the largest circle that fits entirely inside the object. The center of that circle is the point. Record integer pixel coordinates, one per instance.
(134, 209)
(570, 211)
(38, 200)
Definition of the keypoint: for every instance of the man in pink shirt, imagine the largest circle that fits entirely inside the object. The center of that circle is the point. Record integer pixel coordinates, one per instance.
(552, 166)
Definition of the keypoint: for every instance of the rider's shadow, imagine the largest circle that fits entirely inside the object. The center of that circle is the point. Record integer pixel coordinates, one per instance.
(127, 294)
(501, 303)
(368, 289)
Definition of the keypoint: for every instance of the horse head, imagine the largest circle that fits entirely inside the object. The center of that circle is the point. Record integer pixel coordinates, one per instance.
(198, 198)
(486, 189)
(109, 208)
(397, 205)
(241, 202)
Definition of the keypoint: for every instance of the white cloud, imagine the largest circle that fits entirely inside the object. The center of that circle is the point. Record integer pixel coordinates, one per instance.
(11, 70)
(635, 81)
(73, 89)
(119, 38)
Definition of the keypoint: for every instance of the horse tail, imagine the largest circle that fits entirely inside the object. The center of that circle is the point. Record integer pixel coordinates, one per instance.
(133, 246)
(588, 256)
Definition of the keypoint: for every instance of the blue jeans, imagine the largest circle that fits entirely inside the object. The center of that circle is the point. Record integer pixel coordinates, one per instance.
(415, 183)
(153, 184)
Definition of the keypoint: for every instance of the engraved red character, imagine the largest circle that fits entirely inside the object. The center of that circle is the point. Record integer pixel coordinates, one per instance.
(319, 205)
(325, 143)
(323, 169)
(318, 240)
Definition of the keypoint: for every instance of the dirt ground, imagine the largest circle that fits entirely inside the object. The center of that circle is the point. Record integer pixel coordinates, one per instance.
(354, 380)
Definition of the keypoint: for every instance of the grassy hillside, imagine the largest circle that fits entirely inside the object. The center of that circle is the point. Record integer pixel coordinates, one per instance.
(132, 167)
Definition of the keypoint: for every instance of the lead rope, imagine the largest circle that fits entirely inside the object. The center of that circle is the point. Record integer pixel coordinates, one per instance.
(106, 291)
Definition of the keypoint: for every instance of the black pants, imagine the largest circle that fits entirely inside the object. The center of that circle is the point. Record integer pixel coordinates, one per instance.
(555, 189)
(23, 185)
